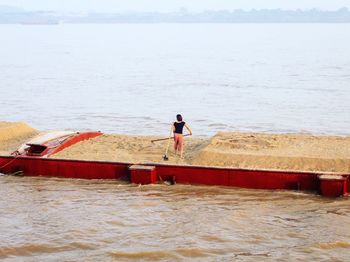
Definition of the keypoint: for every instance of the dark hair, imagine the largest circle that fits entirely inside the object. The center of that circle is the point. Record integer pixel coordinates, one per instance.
(179, 117)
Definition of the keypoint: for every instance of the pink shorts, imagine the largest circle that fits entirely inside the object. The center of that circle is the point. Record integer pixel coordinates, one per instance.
(178, 141)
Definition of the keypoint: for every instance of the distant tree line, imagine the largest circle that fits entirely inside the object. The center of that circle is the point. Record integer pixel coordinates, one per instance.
(10, 15)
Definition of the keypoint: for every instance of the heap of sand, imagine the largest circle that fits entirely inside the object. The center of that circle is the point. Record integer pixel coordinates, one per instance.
(277, 151)
(226, 149)
(241, 150)
(13, 134)
(134, 149)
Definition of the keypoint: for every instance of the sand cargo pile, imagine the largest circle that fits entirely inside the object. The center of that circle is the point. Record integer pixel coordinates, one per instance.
(13, 134)
(292, 152)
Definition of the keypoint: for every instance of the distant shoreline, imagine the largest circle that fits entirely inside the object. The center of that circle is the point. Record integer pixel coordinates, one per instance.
(177, 23)
(15, 16)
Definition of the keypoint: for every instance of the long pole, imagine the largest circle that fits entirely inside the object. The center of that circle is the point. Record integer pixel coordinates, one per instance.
(162, 139)
(167, 148)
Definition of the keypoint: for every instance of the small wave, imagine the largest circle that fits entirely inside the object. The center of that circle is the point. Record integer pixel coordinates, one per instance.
(82, 245)
(144, 255)
(217, 125)
(192, 252)
(212, 238)
(200, 120)
(115, 223)
(249, 254)
(336, 244)
(30, 249)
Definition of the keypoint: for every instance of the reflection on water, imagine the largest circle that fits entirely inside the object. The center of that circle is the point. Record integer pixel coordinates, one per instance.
(49, 218)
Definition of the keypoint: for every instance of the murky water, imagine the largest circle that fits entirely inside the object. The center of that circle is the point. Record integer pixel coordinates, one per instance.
(48, 219)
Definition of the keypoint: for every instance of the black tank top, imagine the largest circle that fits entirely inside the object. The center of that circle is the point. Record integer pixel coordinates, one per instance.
(179, 126)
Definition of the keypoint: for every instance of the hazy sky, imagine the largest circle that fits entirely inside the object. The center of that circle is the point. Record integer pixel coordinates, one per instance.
(171, 5)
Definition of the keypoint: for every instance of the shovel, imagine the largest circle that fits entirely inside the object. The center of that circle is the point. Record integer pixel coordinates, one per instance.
(165, 157)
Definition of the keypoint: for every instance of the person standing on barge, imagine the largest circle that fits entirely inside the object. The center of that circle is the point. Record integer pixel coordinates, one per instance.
(177, 128)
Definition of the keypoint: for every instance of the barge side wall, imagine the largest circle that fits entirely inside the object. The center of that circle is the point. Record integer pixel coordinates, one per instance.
(255, 179)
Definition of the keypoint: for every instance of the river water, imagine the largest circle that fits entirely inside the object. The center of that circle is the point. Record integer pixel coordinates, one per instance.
(136, 78)
(48, 219)
(133, 79)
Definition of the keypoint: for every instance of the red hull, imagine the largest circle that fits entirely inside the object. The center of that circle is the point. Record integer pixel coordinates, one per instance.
(254, 179)
(76, 139)
(56, 145)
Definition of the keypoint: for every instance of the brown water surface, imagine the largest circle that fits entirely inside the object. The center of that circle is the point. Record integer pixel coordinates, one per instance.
(49, 219)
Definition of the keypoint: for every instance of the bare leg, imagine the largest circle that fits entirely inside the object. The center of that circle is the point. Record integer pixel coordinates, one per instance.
(181, 146)
(176, 143)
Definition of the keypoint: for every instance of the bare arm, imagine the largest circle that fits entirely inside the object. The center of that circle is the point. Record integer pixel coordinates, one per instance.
(188, 129)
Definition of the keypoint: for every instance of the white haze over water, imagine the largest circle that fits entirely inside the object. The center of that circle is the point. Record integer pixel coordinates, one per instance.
(171, 5)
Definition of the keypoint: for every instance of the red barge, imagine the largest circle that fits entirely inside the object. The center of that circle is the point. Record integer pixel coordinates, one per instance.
(33, 164)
